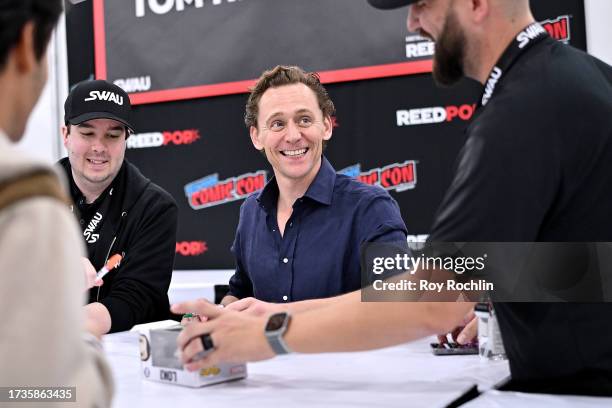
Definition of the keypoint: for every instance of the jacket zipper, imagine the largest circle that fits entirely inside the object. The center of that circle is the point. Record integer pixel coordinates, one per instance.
(106, 259)
(123, 214)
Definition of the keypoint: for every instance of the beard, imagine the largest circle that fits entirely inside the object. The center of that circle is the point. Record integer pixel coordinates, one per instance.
(450, 52)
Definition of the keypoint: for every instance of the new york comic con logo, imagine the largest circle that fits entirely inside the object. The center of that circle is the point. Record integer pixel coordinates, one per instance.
(558, 28)
(398, 176)
(209, 191)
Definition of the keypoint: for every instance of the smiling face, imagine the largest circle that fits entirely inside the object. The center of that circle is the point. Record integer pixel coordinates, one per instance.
(437, 19)
(96, 149)
(290, 130)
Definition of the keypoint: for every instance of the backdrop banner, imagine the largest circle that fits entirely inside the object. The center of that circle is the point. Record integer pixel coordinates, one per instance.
(402, 132)
(178, 49)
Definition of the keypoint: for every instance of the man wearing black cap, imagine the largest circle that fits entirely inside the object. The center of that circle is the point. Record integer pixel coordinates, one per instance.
(120, 210)
(536, 166)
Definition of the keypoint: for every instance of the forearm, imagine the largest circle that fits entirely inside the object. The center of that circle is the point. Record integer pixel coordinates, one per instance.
(312, 304)
(97, 319)
(351, 325)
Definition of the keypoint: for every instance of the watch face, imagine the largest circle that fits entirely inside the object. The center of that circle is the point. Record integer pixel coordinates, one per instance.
(276, 321)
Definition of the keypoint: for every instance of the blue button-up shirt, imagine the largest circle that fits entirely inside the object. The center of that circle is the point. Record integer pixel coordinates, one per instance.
(318, 255)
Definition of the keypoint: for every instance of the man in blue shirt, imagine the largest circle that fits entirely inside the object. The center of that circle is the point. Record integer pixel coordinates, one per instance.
(300, 237)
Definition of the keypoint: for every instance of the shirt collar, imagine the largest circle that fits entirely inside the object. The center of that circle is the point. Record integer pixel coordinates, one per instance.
(320, 190)
(322, 187)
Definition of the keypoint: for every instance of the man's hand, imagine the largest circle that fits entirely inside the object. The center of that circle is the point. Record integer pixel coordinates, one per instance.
(237, 337)
(463, 334)
(90, 274)
(194, 315)
(254, 307)
(470, 331)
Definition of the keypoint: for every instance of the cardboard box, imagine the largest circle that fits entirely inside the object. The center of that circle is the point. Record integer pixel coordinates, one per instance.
(159, 361)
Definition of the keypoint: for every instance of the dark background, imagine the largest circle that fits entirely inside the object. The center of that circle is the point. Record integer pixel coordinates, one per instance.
(366, 134)
(236, 41)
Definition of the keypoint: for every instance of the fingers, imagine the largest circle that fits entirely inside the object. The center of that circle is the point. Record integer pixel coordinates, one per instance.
(201, 306)
(455, 333)
(208, 361)
(469, 332)
(90, 273)
(241, 304)
(98, 282)
(187, 318)
(469, 317)
(193, 330)
(191, 350)
(189, 344)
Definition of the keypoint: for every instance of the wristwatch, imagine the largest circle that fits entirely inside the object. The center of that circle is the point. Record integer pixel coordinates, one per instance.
(275, 329)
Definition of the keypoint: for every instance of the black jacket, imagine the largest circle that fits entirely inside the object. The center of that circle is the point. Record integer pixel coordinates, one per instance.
(139, 220)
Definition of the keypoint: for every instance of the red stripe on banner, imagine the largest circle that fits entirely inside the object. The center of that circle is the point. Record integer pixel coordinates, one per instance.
(377, 71)
(99, 39)
(227, 88)
(191, 92)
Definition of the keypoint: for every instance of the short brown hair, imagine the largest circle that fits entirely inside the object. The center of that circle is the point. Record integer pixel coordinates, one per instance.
(286, 75)
(14, 14)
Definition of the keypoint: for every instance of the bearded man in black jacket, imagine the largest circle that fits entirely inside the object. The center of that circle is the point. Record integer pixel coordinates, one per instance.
(120, 211)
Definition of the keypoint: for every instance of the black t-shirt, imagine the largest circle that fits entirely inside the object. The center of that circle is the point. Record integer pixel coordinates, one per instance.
(537, 166)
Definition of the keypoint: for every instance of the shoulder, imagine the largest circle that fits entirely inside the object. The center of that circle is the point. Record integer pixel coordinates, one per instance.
(159, 195)
(145, 192)
(543, 95)
(371, 201)
(351, 189)
(40, 220)
(559, 73)
(249, 208)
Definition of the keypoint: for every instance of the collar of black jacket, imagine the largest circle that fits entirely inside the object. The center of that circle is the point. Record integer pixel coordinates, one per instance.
(129, 183)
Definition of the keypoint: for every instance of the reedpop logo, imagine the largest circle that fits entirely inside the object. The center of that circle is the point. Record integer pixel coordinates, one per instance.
(165, 138)
(191, 248)
(436, 114)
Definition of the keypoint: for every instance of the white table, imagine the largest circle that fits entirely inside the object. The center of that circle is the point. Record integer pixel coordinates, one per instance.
(498, 399)
(403, 376)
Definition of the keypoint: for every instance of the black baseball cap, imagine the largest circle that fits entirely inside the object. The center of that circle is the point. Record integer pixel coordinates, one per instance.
(97, 100)
(390, 4)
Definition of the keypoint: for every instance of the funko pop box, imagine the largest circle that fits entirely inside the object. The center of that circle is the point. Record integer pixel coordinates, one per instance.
(160, 361)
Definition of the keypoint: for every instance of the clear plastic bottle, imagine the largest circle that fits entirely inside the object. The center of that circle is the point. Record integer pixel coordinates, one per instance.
(490, 343)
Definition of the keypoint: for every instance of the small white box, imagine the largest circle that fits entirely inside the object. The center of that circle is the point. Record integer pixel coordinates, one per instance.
(159, 362)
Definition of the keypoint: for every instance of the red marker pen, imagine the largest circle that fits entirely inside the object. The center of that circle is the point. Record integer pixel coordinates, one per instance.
(111, 264)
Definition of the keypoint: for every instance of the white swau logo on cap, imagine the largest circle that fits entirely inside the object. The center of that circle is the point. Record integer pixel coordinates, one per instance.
(105, 96)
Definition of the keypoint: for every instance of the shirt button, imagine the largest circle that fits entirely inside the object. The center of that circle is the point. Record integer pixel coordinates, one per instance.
(291, 224)
(285, 297)
(82, 222)
(285, 260)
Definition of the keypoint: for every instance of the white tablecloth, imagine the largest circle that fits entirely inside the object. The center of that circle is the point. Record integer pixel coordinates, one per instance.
(403, 376)
(498, 399)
